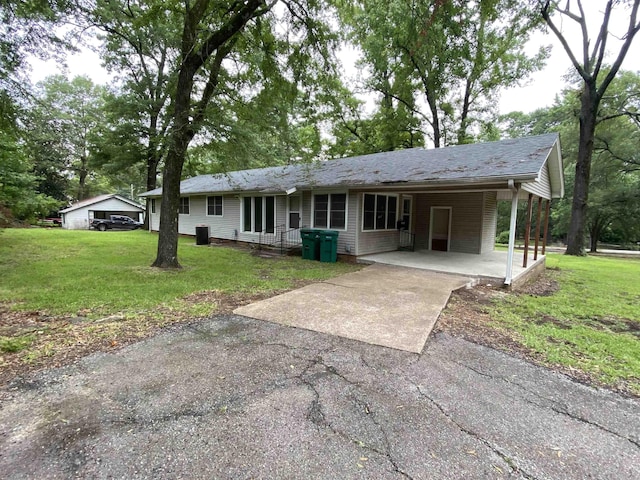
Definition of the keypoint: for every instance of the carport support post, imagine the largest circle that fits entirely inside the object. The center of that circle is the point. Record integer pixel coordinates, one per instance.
(546, 225)
(527, 230)
(535, 251)
(512, 235)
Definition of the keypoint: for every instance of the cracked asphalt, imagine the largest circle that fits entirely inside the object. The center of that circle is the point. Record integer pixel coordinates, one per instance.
(232, 397)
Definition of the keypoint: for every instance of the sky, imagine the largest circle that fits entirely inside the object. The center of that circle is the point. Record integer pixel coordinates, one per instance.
(536, 92)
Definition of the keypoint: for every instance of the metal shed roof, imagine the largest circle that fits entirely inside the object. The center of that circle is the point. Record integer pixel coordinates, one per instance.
(520, 159)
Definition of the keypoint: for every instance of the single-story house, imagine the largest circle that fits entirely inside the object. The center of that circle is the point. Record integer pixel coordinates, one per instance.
(80, 215)
(438, 199)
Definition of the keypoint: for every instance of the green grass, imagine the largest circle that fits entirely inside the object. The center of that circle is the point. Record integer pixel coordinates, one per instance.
(92, 273)
(590, 323)
(15, 344)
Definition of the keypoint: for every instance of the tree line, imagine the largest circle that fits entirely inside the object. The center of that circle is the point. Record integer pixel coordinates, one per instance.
(213, 86)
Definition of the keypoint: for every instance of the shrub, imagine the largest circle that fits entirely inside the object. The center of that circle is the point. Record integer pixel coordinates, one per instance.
(503, 237)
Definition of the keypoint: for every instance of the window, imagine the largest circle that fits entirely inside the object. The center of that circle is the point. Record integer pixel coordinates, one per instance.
(214, 206)
(183, 209)
(330, 210)
(379, 212)
(258, 214)
(153, 205)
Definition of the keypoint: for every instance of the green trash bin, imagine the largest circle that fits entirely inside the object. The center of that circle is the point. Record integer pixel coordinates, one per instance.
(328, 246)
(310, 244)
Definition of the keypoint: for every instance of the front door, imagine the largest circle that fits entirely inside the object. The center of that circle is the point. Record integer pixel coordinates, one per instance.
(440, 230)
(294, 216)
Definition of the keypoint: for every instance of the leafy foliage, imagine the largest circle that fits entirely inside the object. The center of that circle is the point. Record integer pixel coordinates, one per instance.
(587, 60)
(615, 172)
(436, 65)
(18, 185)
(60, 129)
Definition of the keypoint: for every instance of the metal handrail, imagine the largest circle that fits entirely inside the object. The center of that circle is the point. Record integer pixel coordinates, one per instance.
(286, 239)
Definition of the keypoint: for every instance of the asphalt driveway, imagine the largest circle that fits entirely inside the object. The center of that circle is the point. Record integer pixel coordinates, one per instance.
(232, 397)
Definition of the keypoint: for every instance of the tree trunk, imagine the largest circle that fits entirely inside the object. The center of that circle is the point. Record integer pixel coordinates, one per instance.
(83, 172)
(167, 256)
(593, 242)
(464, 116)
(435, 120)
(181, 135)
(588, 111)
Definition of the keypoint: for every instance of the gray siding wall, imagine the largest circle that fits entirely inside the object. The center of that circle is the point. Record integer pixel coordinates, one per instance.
(76, 220)
(375, 241)
(466, 219)
(541, 188)
(347, 237)
(489, 221)
(229, 225)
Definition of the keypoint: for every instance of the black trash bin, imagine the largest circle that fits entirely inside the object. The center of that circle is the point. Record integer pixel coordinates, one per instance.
(202, 234)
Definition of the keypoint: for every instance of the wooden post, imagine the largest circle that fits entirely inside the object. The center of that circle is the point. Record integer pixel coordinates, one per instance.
(546, 226)
(527, 230)
(535, 251)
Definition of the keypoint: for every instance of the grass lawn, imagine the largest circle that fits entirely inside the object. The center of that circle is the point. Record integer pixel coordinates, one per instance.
(591, 323)
(62, 289)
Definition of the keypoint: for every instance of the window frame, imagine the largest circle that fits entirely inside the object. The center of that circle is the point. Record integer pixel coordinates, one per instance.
(221, 197)
(153, 205)
(375, 212)
(263, 213)
(329, 210)
(181, 206)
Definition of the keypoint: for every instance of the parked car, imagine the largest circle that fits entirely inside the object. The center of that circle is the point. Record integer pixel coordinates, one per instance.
(115, 222)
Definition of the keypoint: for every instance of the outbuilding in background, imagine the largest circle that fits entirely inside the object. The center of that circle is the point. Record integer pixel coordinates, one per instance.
(80, 215)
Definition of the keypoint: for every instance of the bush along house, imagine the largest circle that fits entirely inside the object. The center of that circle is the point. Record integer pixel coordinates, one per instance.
(423, 201)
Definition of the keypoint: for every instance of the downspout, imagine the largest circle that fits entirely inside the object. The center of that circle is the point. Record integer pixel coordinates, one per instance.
(512, 231)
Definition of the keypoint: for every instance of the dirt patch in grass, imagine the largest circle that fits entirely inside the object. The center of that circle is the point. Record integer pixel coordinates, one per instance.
(466, 316)
(617, 325)
(61, 340)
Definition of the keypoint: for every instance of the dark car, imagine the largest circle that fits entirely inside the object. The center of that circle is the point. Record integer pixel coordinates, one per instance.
(115, 222)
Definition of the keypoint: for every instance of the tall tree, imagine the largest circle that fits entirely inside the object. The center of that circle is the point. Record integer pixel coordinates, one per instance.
(62, 122)
(140, 41)
(615, 175)
(232, 52)
(19, 193)
(587, 59)
(443, 60)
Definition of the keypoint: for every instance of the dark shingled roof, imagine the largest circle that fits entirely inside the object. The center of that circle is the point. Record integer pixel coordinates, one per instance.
(520, 159)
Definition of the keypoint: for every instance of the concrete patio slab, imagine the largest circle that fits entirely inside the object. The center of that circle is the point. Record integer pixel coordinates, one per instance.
(484, 268)
(384, 305)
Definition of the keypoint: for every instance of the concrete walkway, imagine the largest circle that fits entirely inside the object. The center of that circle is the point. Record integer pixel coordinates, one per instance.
(384, 305)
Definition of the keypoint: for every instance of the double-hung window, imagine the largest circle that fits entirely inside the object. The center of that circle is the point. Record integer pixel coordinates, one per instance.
(183, 209)
(258, 214)
(379, 212)
(330, 210)
(214, 206)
